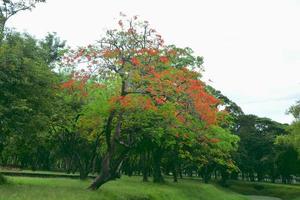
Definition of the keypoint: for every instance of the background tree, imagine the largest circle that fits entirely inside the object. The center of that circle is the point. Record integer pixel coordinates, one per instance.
(28, 95)
(293, 138)
(257, 152)
(9, 8)
(289, 148)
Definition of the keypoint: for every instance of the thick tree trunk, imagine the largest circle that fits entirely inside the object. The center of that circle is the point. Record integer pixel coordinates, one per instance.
(109, 168)
(104, 175)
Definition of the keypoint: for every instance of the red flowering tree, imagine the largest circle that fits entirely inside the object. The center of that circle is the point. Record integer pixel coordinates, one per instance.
(150, 76)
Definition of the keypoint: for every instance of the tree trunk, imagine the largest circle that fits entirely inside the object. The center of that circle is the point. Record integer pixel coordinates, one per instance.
(94, 165)
(224, 178)
(180, 172)
(83, 168)
(273, 178)
(104, 174)
(206, 174)
(175, 174)
(259, 176)
(83, 172)
(110, 169)
(216, 174)
(251, 176)
(145, 170)
(157, 176)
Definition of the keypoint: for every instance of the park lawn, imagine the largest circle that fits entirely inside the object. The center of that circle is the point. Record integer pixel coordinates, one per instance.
(28, 188)
(285, 192)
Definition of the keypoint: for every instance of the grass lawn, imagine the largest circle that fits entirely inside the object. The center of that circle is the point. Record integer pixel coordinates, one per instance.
(285, 192)
(27, 188)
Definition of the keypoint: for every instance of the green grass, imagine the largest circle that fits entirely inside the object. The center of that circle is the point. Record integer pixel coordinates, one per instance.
(285, 192)
(25, 188)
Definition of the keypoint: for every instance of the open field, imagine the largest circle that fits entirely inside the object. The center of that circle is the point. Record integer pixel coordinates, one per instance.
(25, 188)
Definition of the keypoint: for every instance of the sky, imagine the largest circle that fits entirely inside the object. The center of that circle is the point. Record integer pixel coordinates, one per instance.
(251, 48)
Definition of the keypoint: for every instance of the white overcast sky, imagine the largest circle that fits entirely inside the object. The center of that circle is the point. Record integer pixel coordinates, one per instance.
(251, 48)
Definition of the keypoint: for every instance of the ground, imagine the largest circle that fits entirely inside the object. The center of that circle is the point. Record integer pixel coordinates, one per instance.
(254, 197)
(131, 188)
(27, 188)
(283, 191)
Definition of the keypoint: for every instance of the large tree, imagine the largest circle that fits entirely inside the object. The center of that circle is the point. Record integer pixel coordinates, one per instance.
(150, 76)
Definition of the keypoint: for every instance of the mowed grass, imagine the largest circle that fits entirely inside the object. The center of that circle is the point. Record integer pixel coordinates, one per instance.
(285, 192)
(25, 188)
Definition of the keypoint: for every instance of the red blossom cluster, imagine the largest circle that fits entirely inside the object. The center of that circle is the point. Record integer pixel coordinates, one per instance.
(152, 70)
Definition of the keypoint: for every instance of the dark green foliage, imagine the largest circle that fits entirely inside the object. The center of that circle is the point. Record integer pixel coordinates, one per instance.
(258, 157)
(54, 48)
(229, 105)
(28, 95)
(288, 163)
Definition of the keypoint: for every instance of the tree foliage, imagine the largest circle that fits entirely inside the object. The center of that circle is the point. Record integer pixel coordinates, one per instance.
(158, 80)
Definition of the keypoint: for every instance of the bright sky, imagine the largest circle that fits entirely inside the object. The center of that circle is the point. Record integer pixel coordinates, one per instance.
(251, 48)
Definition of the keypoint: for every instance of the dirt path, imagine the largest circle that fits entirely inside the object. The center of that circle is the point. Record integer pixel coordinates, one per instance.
(253, 197)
